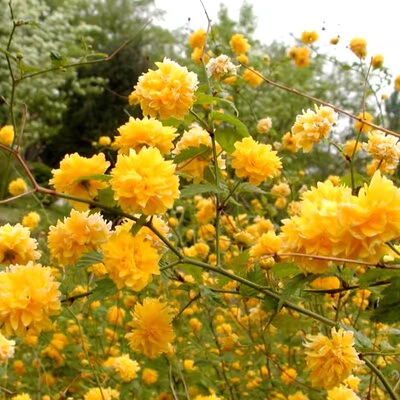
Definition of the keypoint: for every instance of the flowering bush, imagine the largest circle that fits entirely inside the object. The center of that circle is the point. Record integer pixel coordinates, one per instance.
(197, 255)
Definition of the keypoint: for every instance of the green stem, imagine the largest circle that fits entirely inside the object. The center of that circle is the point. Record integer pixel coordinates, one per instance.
(381, 377)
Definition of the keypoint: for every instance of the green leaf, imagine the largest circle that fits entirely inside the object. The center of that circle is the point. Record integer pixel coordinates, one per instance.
(138, 224)
(246, 187)
(388, 310)
(376, 275)
(103, 288)
(95, 177)
(210, 296)
(292, 286)
(284, 269)
(230, 119)
(193, 190)
(89, 259)
(57, 60)
(227, 136)
(240, 261)
(191, 153)
(204, 98)
(359, 180)
(106, 197)
(257, 276)
(26, 69)
(195, 272)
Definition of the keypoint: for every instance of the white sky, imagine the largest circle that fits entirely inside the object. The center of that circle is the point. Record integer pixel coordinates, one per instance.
(375, 21)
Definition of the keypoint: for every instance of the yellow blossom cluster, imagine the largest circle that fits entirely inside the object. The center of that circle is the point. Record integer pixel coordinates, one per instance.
(16, 245)
(7, 135)
(146, 132)
(335, 223)
(359, 47)
(74, 177)
(152, 332)
(166, 92)
(331, 360)
(308, 37)
(300, 56)
(29, 296)
(17, 187)
(312, 126)
(80, 233)
(130, 260)
(137, 187)
(255, 161)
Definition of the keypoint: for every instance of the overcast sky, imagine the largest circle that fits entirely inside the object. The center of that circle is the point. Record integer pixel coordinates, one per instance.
(376, 21)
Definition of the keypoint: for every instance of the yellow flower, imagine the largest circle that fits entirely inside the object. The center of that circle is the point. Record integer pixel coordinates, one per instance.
(23, 396)
(331, 361)
(360, 126)
(335, 40)
(252, 77)
(146, 132)
(72, 177)
(198, 56)
(243, 59)
(342, 393)
(316, 230)
(28, 297)
(188, 365)
(130, 260)
(17, 187)
(326, 282)
(266, 246)
(126, 368)
(115, 315)
(377, 61)
(220, 67)
(308, 37)
(149, 376)
(300, 56)
(101, 394)
(104, 141)
(144, 182)
(152, 330)
(298, 396)
(288, 375)
(7, 348)
(7, 135)
(78, 234)
(281, 190)
(383, 147)
(239, 44)
(289, 142)
(359, 47)
(31, 220)
(16, 245)
(255, 161)
(351, 146)
(168, 91)
(264, 125)
(205, 209)
(312, 127)
(194, 167)
(198, 39)
(397, 83)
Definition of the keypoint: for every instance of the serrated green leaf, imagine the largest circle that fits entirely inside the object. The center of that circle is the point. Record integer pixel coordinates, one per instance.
(210, 296)
(195, 272)
(204, 98)
(192, 153)
(230, 119)
(193, 190)
(89, 259)
(292, 286)
(246, 187)
(106, 197)
(361, 340)
(284, 269)
(388, 310)
(240, 261)
(359, 180)
(94, 177)
(227, 136)
(257, 276)
(103, 288)
(376, 275)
